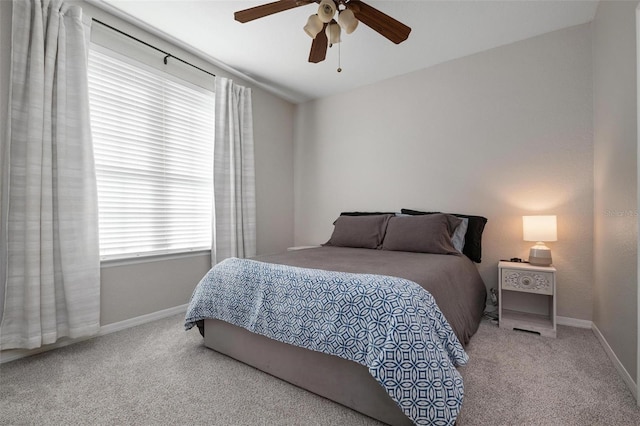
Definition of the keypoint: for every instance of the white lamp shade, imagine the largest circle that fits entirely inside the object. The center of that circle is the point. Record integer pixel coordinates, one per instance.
(333, 33)
(326, 10)
(539, 228)
(314, 26)
(347, 21)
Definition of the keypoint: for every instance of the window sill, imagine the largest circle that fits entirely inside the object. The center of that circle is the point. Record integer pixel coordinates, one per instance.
(108, 263)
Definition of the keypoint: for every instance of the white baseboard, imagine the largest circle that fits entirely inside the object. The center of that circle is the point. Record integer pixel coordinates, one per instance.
(143, 319)
(573, 322)
(13, 354)
(628, 380)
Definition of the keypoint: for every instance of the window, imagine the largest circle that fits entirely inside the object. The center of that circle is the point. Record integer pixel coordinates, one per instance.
(153, 142)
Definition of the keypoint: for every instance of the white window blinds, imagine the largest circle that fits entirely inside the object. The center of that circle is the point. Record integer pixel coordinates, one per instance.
(153, 142)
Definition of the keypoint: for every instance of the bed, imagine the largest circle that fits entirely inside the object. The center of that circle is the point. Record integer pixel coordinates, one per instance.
(373, 250)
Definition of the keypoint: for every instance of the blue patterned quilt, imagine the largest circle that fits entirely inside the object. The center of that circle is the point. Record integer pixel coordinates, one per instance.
(390, 325)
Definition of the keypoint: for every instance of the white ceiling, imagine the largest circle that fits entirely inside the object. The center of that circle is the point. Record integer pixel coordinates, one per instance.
(274, 50)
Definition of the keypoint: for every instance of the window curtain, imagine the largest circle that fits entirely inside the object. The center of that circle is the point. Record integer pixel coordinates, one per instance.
(234, 218)
(51, 266)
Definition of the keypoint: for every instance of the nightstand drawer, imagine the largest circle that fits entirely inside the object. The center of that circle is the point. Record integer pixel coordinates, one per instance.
(527, 281)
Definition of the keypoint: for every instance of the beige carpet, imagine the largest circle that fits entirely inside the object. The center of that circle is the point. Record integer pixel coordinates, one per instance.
(518, 378)
(157, 374)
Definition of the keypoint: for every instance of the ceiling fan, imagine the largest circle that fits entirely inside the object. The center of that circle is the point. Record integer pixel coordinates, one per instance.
(323, 27)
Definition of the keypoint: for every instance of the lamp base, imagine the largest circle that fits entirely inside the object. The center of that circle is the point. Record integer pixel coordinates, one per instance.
(540, 255)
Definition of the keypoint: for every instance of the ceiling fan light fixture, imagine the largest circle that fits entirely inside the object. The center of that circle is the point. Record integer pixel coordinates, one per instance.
(347, 21)
(349, 14)
(314, 26)
(326, 10)
(333, 33)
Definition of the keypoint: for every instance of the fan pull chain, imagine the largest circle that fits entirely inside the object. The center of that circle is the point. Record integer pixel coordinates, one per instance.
(339, 68)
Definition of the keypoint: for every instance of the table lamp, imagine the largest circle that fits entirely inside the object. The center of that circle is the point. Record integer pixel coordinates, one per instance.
(539, 229)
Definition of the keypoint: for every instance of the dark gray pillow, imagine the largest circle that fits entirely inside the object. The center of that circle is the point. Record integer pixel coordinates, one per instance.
(365, 213)
(422, 234)
(359, 231)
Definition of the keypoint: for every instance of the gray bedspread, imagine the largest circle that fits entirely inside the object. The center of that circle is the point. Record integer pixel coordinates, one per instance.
(453, 281)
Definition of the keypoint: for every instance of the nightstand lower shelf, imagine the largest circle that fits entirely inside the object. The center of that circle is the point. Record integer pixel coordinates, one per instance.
(527, 297)
(525, 321)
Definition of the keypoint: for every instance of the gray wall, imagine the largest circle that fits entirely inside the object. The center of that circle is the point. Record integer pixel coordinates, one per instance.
(615, 190)
(502, 133)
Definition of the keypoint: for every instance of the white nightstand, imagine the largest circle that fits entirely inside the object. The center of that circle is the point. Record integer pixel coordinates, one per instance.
(527, 297)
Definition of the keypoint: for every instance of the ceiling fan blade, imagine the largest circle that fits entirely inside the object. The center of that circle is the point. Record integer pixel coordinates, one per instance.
(319, 47)
(384, 24)
(268, 9)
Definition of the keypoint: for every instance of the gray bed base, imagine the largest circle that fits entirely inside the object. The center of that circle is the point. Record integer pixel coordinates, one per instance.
(340, 380)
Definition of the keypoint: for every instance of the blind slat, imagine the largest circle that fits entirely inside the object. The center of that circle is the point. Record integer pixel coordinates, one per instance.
(153, 144)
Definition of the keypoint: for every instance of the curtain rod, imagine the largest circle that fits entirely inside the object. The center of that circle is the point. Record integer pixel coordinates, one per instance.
(167, 54)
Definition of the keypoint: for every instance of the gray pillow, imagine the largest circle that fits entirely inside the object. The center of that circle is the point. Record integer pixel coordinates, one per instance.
(359, 231)
(423, 234)
(473, 237)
